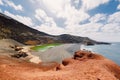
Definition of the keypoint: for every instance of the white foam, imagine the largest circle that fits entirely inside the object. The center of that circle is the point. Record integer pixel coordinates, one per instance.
(82, 47)
(35, 59)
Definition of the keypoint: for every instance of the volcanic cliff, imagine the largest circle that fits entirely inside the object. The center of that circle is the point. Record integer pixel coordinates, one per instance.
(12, 29)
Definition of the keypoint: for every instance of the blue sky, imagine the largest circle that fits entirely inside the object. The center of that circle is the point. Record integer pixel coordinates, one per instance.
(97, 19)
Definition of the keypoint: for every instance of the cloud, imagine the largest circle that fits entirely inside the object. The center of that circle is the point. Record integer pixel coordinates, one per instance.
(76, 3)
(111, 23)
(114, 18)
(1, 3)
(44, 18)
(104, 36)
(91, 4)
(73, 15)
(98, 18)
(23, 19)
(48, 24)
(55, 6)
(91, 27)
(118, 7)
(54, 30)
(99, 32)
(85, 29)
(63, 9)
(111, 28)
(108, 30)
(13, 5)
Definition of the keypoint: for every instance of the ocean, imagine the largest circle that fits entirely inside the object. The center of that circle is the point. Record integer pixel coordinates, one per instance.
(111, 52)
(63, 51)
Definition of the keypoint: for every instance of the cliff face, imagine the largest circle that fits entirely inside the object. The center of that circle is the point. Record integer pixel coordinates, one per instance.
(66, 38)
(83, 66)
(10, 28)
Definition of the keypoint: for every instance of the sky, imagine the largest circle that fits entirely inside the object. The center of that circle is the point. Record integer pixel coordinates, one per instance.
(96, 19)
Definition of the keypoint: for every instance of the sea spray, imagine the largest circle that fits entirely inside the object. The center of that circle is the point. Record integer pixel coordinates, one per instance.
(83, 47)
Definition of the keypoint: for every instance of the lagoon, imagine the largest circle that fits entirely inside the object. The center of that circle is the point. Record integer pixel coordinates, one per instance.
(59, 52)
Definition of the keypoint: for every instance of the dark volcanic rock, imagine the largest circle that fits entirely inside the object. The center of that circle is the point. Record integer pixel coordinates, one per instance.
(67, 38)
(79, 55)
(19, 55)
(10, 28)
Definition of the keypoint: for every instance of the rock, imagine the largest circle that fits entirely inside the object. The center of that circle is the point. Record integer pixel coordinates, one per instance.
(67, 61)
(19, 55)
(83, 65)
(25, 52)
(80, 55)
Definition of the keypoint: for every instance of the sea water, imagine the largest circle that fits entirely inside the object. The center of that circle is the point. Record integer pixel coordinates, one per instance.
(63, 51)
(111, 52)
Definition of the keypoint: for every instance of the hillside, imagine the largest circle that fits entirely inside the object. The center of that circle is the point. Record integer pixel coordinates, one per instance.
(12, 29)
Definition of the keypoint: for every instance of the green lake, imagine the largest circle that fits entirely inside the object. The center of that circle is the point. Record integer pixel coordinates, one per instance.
(44, 47)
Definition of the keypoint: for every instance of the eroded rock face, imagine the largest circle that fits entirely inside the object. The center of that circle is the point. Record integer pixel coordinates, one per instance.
(82, 55)
(19, 55)
(83, 65)
(67, 61)
(96, 63)
(25, 52)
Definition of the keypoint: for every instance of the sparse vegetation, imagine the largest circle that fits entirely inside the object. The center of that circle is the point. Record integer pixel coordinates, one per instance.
(5, 30)
(31, 42)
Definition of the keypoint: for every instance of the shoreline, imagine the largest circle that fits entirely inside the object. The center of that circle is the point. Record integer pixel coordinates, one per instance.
(80, 65)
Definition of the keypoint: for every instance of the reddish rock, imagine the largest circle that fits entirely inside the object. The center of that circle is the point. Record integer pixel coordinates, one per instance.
(67, 61)
(83, 55)
(83, 66)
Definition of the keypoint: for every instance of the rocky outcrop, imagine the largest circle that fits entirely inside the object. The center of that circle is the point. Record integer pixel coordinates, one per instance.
(84, 65)
(25, 52)
(82, 55)
(94, 65)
